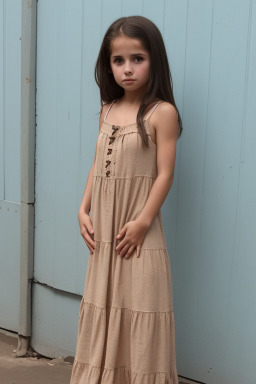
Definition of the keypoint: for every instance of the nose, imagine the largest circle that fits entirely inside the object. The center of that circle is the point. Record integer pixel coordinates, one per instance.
(127, 68)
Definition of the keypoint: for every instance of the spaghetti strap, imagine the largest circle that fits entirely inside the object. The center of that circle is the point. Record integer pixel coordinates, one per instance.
(161, 101)
(109, 109)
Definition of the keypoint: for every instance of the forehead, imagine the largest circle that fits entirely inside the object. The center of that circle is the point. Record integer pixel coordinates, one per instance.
(126, 45)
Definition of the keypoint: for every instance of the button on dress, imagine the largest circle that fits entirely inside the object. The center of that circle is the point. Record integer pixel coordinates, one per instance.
(126, 330)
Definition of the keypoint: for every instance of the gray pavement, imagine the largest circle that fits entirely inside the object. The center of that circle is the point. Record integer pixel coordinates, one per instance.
(34, 369)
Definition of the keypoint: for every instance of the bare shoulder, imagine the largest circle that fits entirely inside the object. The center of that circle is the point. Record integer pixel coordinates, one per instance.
(103, 112)
(104, 109)
(165, 118)
(164, 111)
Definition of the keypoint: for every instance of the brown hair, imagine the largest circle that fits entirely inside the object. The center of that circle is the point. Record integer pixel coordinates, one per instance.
(160, 80)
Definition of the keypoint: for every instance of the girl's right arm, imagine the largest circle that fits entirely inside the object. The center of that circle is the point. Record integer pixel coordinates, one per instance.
(84, 219)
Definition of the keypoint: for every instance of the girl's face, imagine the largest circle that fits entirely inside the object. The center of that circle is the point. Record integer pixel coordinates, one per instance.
(130, 63)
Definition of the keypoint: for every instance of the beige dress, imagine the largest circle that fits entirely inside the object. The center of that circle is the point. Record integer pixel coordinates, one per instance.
(126, 331)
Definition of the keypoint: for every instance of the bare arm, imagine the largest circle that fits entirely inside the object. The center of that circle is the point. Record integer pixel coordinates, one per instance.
(165, 121)
(86, 200)
(85, 223)
(166, 126)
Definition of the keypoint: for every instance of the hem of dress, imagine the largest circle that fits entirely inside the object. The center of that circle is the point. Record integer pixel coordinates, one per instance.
(128, 375)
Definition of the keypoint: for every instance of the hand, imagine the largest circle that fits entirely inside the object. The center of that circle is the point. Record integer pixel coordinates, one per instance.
(86, 229)
(133, 232)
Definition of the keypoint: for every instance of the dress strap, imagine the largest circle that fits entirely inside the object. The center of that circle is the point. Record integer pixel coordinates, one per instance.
(161, 101)
(109, 109)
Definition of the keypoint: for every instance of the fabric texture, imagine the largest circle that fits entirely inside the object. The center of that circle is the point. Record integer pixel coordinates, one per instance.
(126, 331)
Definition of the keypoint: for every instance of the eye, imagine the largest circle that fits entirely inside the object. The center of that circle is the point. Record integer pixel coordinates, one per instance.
(138, 59)
(118, 60)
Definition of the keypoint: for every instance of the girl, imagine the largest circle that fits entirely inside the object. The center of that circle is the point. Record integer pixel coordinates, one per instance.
(126, 331)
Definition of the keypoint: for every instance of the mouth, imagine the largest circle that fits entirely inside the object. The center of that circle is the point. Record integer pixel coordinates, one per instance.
(129, 80)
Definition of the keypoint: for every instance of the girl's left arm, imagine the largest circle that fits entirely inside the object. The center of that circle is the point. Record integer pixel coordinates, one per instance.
(165, 121)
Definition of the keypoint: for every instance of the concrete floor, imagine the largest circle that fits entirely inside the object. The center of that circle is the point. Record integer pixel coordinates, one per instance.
(34, 369)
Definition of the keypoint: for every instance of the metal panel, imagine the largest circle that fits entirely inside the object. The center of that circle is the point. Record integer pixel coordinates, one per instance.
(10, 33)
(175, 19)
(241, 311)
(2, 96)
(55, 315)
(59, 109)
(9, 265)
(214, 101)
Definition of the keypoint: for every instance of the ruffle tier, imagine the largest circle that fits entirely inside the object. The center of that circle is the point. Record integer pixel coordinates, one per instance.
(126, 330)
(134, 347)
(141, 283)
(88, 374)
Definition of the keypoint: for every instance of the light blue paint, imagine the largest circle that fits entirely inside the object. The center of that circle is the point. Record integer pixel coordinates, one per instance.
(10, 32)
(55, 316)
(208, 202)
(10, 51)
(9, 265)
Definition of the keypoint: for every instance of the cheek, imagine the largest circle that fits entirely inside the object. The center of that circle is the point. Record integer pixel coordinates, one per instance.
(116, 72)
(115, 75)
(144, 70)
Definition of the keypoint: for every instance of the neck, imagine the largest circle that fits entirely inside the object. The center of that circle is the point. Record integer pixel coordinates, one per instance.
(133, 97)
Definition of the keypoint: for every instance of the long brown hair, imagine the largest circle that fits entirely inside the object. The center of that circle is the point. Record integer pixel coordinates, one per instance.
(160, 80)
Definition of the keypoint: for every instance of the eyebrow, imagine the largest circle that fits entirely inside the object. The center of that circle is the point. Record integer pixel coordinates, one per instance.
(133, 54)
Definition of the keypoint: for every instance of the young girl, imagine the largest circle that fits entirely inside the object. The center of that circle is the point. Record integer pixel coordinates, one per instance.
(126, 331)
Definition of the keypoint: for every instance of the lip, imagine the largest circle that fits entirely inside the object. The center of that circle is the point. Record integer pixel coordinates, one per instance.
(129, 80)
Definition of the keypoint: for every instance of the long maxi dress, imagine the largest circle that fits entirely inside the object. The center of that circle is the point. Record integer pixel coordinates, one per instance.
(126, 330)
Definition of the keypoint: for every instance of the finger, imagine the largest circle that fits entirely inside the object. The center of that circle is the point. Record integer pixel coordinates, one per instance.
(84, 231)
(88, 238)
(121, 246)
(122, 243)
(121, 233)
(90, 229)
(124, 249)
(130, 251)
(89, 246)
(138, 251)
